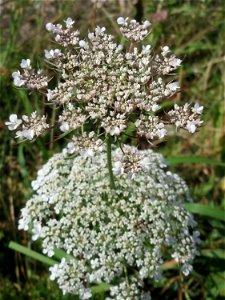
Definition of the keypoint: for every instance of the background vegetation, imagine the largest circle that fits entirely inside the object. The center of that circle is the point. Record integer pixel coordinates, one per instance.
(195, 32)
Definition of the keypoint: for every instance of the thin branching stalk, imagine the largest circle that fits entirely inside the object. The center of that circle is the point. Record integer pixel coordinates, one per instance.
(109, 161)
(51, 144)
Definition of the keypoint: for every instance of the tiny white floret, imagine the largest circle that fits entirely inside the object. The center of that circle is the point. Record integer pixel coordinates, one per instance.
(16, 74)
(28, 134)
(50, 27)
(146, 24)
(118, 168)
(69, 22)
(83, 44)
(64, 127)
(165, 50)
(197, 109)
(25, 64)
(121, 21)
(18, 82)
(14, 122)
(155, 107)
(191, 127)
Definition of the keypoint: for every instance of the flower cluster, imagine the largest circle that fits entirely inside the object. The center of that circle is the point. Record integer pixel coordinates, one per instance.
(120, 237)
(105, 86)
(128, 290)
(29, 78)
(187, 117)
(130, 161)
(85, 144)
(166, 62)
(33, 125)
(132, 30)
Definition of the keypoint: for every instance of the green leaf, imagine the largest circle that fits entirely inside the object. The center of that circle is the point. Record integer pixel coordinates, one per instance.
(167, 104)
(31, 253)
(219, 286)
(206, 210)
(128, 132)
(193, 160)
(103, 287)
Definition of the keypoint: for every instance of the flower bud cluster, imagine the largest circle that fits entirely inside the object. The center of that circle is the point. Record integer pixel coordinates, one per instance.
(106, 84)
(103, 231)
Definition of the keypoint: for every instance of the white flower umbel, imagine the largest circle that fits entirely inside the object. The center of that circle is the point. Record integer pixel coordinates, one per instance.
(98, 81)
(118, 236)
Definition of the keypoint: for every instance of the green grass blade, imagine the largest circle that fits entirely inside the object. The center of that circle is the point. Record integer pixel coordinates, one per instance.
(218, 253)
(22, 163)
(59, 254)
(103, 287)
(207, 211)
(31, 253)
(193, 160)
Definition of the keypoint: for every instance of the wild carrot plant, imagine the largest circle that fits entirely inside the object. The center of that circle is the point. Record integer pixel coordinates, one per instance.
(113, 208)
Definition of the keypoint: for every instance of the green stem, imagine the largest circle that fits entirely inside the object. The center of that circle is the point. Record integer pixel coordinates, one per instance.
(109, 161)
(52, 130)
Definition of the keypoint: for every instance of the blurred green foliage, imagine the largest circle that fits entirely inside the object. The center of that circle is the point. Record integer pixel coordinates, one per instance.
(194, 30)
